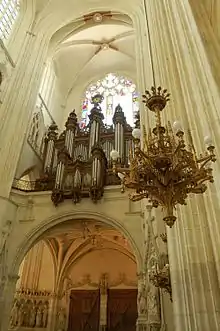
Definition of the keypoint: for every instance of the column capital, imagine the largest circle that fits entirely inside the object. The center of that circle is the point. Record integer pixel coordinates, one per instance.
(13, 278)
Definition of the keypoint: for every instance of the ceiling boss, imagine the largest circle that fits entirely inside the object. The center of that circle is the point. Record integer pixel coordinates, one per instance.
(164, 171)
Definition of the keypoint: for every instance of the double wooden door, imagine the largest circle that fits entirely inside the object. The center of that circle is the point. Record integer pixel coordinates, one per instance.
(84, 310)
(122, 310)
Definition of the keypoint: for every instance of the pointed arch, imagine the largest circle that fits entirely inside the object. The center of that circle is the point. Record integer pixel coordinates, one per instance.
(38, 233)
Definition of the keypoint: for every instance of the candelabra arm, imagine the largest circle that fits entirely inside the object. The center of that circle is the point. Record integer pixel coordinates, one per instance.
(180, 146)
(122, 170)
(204, 160)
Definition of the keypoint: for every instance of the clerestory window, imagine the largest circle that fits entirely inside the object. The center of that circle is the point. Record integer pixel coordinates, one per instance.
(116, 90)
(9, 10)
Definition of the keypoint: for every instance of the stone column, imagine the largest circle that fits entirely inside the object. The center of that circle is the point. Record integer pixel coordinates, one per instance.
(103, 303)
(142, 321)
(152, 258)
(7, 299)
(208, 30)
(180, 65)
(18, 100)
(52, 313)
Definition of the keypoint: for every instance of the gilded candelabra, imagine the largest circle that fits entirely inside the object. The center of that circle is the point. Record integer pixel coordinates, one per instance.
(164, 171)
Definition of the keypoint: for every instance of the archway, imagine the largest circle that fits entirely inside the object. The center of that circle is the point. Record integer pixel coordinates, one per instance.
(85, 256)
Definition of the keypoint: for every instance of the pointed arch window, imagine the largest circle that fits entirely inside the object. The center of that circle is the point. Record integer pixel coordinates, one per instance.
(116, 90)
(9, 10)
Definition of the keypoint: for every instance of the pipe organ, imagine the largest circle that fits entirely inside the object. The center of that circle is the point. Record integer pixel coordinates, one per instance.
(77, 162)
(49, 148)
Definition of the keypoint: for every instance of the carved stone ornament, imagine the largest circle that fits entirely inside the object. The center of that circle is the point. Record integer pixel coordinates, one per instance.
(29, 313)
(5, 232)
(104, 282)
(61, 320)
(142, 300)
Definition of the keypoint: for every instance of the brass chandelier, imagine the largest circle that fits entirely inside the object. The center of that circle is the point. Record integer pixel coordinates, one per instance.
(164, 171)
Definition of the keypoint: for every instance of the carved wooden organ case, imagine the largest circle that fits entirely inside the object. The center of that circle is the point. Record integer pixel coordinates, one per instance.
(77, 163)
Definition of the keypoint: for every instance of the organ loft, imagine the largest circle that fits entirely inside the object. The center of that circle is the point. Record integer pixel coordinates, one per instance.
(77, 162)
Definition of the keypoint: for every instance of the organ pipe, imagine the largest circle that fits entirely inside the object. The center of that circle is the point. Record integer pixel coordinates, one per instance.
(60, 168)
(51, 138)
(119, 122)
(96, 121)
(71, 125)
(79, 158)
(59, 175)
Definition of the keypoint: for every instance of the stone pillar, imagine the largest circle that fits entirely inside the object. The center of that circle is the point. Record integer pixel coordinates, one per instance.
(7, 300)
(142, 322)
(180, 66)
(18, 100)
(52, 313)
(103, 303)
(208, 30)
(152, 257)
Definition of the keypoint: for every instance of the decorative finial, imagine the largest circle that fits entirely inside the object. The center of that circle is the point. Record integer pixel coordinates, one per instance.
(156, 98)
(118, 109)
(97, 99)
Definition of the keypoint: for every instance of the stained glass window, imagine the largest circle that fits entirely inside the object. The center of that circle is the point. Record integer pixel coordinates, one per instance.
(9, 10)
(116, 90)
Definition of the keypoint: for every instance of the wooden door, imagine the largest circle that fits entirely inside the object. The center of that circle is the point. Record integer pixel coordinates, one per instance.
(84, 310)
(122, 310)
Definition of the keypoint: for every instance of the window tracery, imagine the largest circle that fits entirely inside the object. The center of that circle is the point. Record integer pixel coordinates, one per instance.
(116, 90)
(9, 10)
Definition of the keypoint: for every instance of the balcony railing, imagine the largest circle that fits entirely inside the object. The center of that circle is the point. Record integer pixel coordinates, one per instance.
(33, 186)
(47, 184)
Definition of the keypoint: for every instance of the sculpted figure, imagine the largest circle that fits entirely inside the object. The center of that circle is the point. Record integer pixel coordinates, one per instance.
(32, 317)
(61, 320)
(21, 315)
(142, 300)
(39, 318)
(45, 316)
(154, 305)
(4, 235)
(14, 315)
(27, 313)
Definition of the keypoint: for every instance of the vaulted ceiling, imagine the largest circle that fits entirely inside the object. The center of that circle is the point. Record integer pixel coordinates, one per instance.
(72, 240)
(100, 42)
(75, 238)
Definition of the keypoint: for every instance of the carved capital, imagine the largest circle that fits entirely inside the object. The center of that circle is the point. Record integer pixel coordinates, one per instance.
(13, 278)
